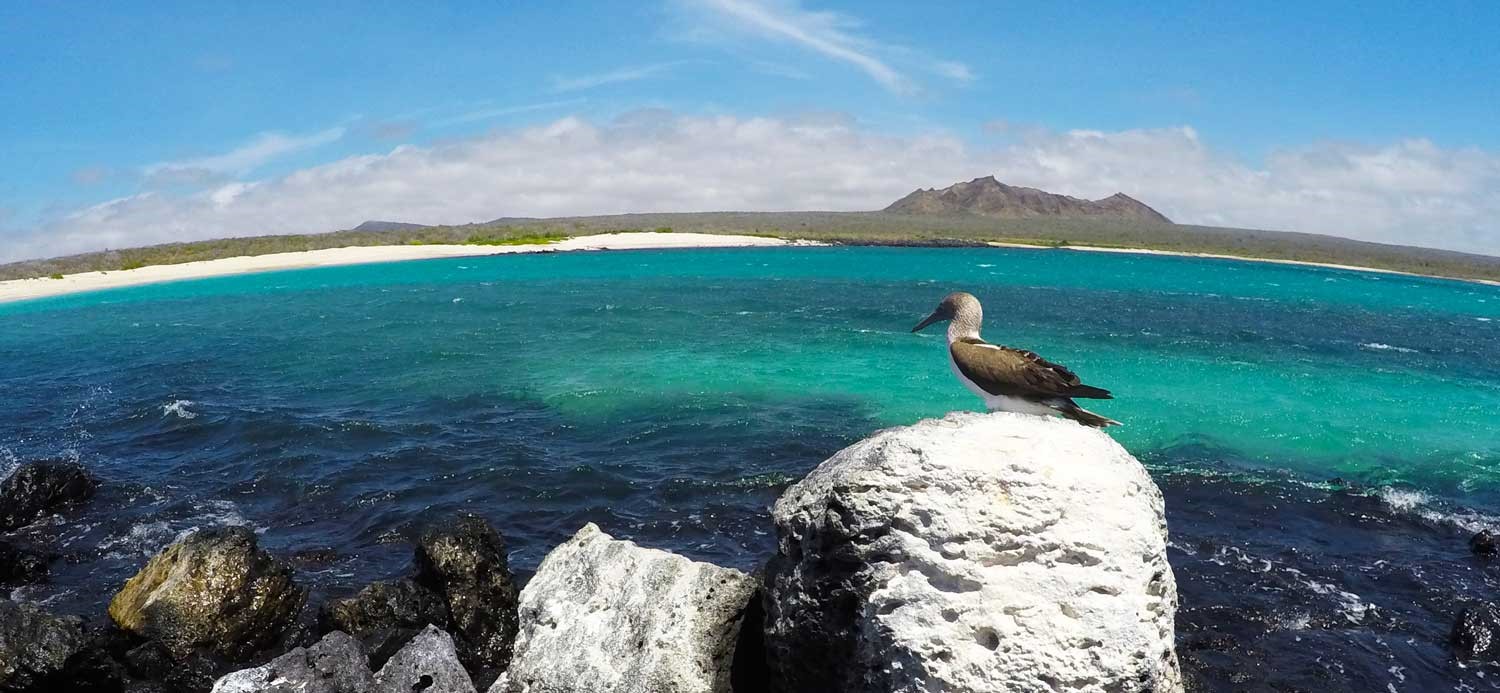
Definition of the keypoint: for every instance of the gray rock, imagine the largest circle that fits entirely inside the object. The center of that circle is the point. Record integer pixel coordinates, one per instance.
(38, 488)
(385, 615)
(429, 663)
(214, 590)
(997, 552)
(607, 616)
(34, 644)
(465, 560)
(336, 664)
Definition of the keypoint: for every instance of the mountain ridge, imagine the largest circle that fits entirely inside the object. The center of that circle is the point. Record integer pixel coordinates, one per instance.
(988, 197)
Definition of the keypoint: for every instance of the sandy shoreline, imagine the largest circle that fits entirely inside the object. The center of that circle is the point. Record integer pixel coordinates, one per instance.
(25, 289)
(1216, 256)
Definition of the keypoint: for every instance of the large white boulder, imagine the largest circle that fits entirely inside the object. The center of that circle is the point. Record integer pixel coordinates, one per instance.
(979, 552)
(607, 616)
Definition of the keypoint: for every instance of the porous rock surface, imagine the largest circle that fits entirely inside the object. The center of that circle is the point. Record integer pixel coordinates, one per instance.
(38, 488)
(386, 614)
(464, 559)
(979, 552)
(34, 644)
(214, 590)
(336, 664)
(429, 663)
(606, 616)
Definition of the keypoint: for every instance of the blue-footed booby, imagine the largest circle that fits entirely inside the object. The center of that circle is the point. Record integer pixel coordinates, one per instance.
(1009, 379)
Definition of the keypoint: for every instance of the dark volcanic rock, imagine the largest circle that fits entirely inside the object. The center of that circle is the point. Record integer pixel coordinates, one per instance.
(464, 559)
(385, 615)
(336, 664)
(34, 644)
(21, 566)
(99, 666)
(1484, 544)
(315, 558)
(1476, 634)
(988, 197)
(214, 590)
(190, 672)
(38, 488)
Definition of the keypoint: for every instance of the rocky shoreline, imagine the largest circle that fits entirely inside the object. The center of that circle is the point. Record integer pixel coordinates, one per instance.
(971, 553)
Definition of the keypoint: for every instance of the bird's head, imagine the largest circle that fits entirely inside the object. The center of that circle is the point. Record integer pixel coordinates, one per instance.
(954, 305)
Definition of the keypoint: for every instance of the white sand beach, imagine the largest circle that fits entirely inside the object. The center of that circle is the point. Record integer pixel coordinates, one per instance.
(23, 289)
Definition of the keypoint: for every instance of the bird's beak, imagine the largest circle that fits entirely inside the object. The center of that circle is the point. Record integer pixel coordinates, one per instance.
(927, 321)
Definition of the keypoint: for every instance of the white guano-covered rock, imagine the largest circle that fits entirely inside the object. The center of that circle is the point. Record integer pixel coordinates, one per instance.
(607, 616)
(979, 552)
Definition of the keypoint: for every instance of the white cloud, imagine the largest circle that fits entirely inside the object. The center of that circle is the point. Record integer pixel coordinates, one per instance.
(624, 74)
(1410, 191)
(260, 150)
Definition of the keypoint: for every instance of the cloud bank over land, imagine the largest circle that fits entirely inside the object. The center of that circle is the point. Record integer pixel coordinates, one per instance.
(1410, 192)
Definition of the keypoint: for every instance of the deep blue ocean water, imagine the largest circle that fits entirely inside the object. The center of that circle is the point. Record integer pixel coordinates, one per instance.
(1326, 439)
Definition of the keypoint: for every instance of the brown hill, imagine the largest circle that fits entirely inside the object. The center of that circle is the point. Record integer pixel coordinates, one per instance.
(988, 197)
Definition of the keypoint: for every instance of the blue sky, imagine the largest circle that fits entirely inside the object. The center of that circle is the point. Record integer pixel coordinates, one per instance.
(201, 120)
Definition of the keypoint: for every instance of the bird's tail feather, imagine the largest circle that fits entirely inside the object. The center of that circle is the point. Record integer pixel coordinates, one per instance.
(1071, 410)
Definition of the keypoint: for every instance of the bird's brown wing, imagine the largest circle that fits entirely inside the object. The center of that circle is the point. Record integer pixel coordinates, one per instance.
(1018, 373)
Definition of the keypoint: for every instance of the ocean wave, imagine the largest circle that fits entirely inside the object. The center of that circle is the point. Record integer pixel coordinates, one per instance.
(147, 538)
(179, 409)
(1419, 504)
(1348, 605)
(1401, 499)
(1377, 346)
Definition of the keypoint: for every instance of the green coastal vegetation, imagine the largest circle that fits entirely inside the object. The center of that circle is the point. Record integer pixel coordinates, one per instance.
(861, 228)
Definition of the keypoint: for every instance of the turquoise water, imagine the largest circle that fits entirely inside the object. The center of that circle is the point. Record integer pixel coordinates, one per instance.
(671, 394)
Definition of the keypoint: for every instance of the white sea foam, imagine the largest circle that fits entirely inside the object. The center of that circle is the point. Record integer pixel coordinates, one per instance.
(1401, 499)
(1377, 346)
(179, 408)
(1418, 503)
(147, 538)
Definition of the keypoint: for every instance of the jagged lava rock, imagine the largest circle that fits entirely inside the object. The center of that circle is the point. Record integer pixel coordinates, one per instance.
(336, 664)
(385, 615)
(34, 644)
(37, 488)
(464, 559)
(606, 616)
(1484, 544)
(1476, 633)
(22, 566)
(979, 552)
(429, 663)
(215, 590)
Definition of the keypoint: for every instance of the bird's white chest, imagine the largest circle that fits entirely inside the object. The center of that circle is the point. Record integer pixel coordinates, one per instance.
(999, 402)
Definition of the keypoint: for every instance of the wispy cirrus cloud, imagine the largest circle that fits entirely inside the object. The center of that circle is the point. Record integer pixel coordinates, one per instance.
(260, 150)
(830, 34)
(489, 113)
(617, 76)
